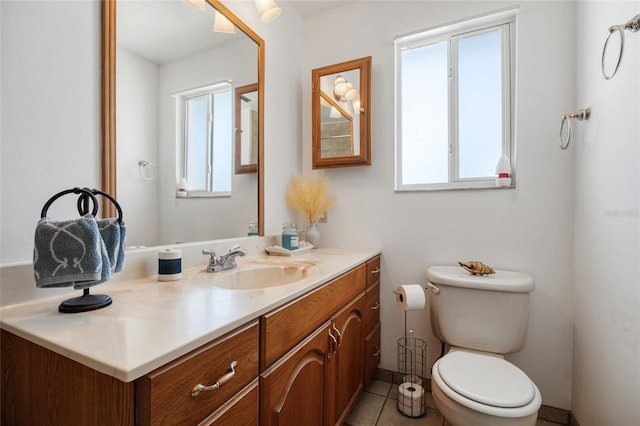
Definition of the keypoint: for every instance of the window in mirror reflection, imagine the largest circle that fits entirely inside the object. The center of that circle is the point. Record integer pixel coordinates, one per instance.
(206, 139)
(246, 128)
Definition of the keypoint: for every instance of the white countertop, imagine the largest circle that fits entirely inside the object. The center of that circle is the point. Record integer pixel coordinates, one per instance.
(151, 323)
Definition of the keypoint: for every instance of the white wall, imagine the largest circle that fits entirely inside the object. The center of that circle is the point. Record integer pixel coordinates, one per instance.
(527, 229)
(137, 139)
(50, 136)
(606, 288)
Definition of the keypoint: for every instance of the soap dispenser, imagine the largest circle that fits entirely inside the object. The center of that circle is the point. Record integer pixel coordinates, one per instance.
(503, 170)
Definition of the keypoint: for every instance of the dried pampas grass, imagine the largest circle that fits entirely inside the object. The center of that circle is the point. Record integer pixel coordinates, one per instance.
(310, 196)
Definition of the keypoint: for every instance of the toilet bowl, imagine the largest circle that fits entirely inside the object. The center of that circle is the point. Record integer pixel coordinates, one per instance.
(473, 388)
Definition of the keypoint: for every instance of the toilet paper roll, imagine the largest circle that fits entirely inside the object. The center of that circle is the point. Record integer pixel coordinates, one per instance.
(411, 399)
(169, 265)
(410, 297)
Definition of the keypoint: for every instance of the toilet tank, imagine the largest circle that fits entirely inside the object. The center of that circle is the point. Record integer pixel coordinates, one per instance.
(486, 313)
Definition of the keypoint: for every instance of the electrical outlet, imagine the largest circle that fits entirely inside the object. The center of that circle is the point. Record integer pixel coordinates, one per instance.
(324, 218)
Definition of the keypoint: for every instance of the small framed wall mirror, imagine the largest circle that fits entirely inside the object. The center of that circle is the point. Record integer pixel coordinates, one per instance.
(246, 128)
(341, 104)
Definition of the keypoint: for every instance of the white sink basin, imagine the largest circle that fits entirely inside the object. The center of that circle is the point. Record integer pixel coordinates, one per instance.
(257, 276)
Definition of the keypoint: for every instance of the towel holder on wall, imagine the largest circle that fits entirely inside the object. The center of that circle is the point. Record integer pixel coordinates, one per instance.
(580, 115)
(634, 26)
(143, 164)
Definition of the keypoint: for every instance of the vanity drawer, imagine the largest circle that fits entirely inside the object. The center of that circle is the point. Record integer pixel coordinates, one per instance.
(372, 307)
(164, 395)
(241, 410)
(373, 271)
(284, 327)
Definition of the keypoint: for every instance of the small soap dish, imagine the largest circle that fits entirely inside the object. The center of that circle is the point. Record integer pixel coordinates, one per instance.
(304, 247)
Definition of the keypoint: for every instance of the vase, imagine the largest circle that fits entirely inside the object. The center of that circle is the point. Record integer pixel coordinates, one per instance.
(313, 234)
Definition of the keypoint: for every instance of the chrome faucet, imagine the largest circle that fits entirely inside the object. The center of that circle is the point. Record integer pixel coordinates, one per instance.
(224, 262)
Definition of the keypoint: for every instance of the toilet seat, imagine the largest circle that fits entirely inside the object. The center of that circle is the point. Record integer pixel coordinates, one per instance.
(487, 379)
(486, 383)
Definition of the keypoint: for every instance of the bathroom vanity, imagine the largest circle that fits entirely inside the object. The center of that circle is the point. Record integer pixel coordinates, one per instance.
(280, 353)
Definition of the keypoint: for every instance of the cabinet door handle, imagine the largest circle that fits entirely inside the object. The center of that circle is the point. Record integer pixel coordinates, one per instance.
(333, 325)
(224, 379)
(375, 271)
(375, 307)
(334, 345)
(376, 353)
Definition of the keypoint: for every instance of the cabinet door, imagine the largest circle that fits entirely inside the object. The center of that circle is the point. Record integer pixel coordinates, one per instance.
(292, 391)
(348, 363)
(372, 354)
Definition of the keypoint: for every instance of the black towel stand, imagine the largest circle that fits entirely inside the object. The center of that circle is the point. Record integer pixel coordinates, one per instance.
(83, 202)
(86, 302)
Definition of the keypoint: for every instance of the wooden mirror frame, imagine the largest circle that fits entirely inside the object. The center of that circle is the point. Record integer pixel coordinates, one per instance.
(108, 103)
(242, 168)
(363, 65)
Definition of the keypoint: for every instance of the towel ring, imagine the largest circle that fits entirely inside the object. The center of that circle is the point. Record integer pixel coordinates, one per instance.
(83, 202)
(84, 192)
(634, 26)
(580, 115)
(143, 164)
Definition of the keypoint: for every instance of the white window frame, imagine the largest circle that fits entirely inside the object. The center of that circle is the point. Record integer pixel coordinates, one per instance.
(181, 136)
(507, 21)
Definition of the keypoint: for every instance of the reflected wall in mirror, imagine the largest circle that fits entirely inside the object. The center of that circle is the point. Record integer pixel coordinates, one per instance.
(156, 55)
(246, 130)
(341, 103)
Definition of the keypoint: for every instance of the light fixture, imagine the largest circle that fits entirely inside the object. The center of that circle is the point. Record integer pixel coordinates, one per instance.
(268, 10)
(221, 24)
(356, 104)
(343, 90)
(335, 113)
(198, 4)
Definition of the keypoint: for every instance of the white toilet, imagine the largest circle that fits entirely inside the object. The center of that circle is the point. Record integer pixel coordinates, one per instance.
(481, 318)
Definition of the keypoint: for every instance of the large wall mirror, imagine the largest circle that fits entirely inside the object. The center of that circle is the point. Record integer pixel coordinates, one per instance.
(173, 75)
(341, 104)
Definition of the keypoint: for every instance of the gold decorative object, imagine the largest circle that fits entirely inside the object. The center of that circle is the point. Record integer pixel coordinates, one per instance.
(477, 268)
(310, 195)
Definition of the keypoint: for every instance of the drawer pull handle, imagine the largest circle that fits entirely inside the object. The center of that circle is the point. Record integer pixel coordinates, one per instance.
(334, 345)
(375, 271)
(375, 307)
(376, 353)
(219, 383)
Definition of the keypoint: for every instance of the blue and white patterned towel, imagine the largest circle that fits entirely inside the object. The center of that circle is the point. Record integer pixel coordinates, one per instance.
(114, 237)
(68, 252)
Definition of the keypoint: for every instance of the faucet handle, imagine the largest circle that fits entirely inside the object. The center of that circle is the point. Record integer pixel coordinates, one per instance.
(234, 248)
(209, 252)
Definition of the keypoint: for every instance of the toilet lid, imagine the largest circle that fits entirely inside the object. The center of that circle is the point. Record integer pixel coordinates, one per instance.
(486, 378)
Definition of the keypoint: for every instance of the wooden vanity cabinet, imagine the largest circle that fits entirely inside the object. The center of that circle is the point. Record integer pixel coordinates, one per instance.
(40, 386)
(303, 363)
(372, 319)
(318, 381)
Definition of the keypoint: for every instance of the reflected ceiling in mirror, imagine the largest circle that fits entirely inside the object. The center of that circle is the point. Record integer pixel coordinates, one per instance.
(165, 48)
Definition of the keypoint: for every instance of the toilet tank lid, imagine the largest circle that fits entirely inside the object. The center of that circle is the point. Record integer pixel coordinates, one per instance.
(509, 281)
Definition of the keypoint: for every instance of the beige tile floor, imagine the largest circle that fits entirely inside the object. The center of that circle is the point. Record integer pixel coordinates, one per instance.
(377, 406)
